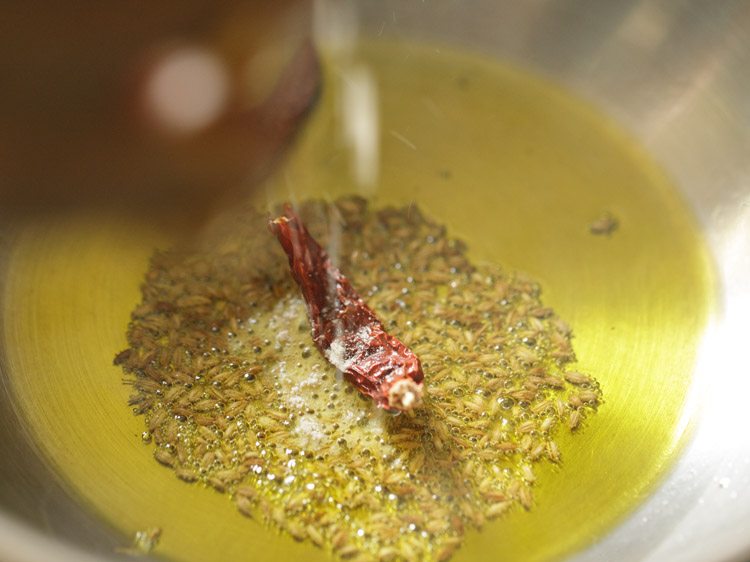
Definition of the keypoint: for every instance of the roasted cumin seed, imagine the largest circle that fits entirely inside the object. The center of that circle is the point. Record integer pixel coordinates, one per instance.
(217, 362)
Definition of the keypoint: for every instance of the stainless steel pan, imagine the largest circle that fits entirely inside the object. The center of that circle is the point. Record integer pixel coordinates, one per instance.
(677, 76)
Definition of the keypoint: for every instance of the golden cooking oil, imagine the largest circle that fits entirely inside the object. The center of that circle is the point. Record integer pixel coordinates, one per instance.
(517, 168)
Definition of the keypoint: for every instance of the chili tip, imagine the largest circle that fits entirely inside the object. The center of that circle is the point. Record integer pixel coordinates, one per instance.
(405, 395)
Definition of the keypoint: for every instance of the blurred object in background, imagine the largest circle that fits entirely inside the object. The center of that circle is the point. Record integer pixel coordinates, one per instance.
(172, 103)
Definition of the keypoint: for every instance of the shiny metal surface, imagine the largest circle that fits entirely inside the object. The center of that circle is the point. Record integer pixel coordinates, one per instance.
(39, 520)
(676, 75)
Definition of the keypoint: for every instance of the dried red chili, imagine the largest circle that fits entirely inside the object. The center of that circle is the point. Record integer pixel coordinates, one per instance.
(344, 328)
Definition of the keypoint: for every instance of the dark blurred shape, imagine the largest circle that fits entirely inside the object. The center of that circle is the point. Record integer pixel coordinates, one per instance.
(159, 104)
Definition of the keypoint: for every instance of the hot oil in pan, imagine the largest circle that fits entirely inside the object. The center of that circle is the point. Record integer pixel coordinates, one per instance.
(518, 170)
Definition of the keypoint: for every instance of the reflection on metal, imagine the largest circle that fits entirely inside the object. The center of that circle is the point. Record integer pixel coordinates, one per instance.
(336, 31)
(637, 60)
(359, 119)
(676, 75)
